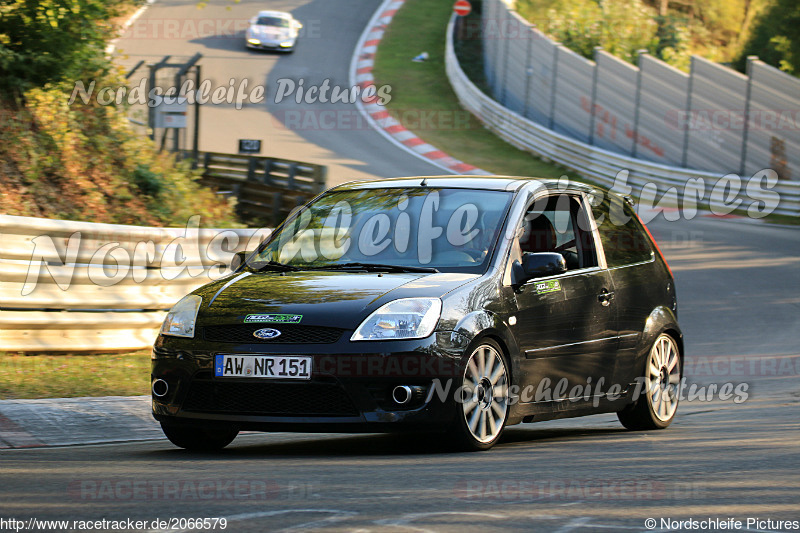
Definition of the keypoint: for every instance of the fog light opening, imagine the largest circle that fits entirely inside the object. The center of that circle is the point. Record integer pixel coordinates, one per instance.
(401, 394)
(160, 388)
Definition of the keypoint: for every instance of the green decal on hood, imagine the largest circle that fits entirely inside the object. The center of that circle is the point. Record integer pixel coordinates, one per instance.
(282, 319)
(544, 287)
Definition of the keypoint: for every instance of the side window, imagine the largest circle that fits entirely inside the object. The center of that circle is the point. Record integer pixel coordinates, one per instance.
(558, 227)
(624, 240)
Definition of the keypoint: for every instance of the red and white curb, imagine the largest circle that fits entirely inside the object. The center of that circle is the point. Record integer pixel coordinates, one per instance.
(376, 115)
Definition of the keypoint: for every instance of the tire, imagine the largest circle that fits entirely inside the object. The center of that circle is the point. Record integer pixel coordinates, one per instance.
(482, 410)
(198, 438)
(657, 403)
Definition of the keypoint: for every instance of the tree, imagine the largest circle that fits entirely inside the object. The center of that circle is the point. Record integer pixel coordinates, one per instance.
(44, 41)
(776, 37)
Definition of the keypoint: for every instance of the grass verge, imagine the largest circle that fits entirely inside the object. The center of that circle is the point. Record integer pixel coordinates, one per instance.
(423, 101)
(68, 376)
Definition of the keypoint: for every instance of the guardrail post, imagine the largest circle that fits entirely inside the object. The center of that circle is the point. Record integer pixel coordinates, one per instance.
(528, 71)
(290, 173)
(595, 75)
(267, 172)
(745, 133)
(251, 168)
(277, 204)
(320, 179)
(196, 132)
(498, 11)
(637, 102)
(506, 40)
(687, 121)
(553, 88)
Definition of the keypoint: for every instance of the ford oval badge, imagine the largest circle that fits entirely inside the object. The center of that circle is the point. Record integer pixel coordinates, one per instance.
(266, 333)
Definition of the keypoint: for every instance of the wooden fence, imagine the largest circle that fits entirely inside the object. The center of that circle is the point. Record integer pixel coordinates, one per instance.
(266, 188)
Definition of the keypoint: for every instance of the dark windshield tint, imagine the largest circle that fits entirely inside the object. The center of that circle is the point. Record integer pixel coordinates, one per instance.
(273, 21)
(452, 230)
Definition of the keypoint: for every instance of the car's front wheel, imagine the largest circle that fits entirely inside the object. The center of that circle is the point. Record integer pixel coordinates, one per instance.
(198, 438)
(660, 390)
(483, 399)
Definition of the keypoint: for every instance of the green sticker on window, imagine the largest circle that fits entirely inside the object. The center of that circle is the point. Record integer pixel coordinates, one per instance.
(281, 319)
(543, 287)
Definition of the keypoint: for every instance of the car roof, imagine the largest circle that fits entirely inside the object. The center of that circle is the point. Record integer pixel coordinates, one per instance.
(279, 14)
(494, 183)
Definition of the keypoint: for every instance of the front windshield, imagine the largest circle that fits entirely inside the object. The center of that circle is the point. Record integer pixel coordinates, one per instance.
(273, 21)
(451, 230)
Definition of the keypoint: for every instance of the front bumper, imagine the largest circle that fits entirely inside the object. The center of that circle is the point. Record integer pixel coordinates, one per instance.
(349, 391)
(267, 44)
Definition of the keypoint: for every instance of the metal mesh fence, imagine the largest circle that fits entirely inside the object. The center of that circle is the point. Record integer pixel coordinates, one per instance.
(713, 118)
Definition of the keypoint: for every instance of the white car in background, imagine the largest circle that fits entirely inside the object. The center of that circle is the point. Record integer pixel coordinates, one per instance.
(273, 30)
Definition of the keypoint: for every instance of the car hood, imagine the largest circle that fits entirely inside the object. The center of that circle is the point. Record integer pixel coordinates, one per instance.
(271, 32)
(337, 299)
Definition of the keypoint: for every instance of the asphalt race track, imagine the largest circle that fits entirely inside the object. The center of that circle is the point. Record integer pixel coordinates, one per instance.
(738, 292)
(739, 297)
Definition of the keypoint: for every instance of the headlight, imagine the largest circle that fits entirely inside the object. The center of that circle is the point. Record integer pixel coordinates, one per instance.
(181, 318)
(253, 41)
(287, 44)
(408, 318)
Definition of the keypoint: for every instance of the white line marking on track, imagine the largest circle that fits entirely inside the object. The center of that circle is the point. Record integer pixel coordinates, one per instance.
(406, 519)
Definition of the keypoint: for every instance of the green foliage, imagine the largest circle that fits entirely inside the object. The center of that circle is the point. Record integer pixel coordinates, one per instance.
(148, 182)
(82, 161)
(714, 29)
(673, 41)
(776, 37)
(43, 41)
(727, 21)
(620, 27)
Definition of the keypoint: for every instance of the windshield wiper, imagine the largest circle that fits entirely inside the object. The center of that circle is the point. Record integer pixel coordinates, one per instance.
(376, 267)
(274, 265)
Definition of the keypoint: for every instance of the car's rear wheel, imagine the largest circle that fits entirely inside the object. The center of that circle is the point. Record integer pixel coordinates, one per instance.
(198, 438)
(657, 403)
(483, 404)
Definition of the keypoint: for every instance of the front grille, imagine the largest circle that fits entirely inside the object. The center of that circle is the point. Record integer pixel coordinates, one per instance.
(290, 334)
(269, 399)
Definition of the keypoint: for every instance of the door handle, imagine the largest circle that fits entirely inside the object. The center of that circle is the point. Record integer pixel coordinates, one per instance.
(605, 297)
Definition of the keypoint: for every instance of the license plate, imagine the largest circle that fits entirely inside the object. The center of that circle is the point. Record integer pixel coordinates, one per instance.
(263, 366)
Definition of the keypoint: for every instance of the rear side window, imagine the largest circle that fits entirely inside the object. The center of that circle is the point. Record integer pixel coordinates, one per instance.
(624, 239)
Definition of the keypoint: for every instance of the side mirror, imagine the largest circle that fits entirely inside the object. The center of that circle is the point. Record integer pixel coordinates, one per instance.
(539, 265)
(253, 20)
(238, 260)
(297, 25)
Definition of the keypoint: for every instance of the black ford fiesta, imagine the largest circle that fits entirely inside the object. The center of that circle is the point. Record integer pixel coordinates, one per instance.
(449, 305)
